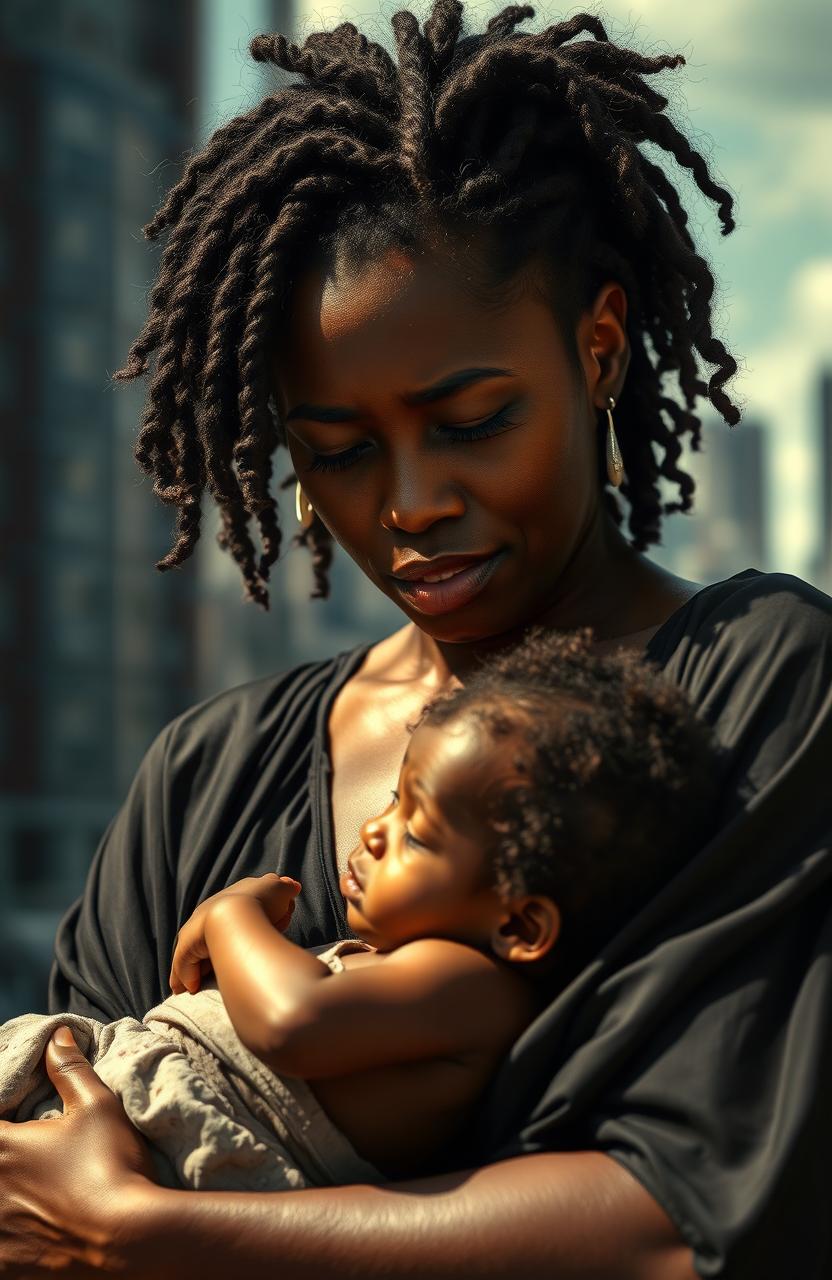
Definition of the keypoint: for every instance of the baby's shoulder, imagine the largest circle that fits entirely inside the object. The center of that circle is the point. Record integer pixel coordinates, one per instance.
(442, 955)
(497, 990)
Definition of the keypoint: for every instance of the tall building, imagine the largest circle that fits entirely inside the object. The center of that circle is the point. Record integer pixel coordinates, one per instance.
(727, 531)
(94, 111)
(822, 568)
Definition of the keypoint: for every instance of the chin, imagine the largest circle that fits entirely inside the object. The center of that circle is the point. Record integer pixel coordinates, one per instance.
(493, 630)
(364, 930)
(356, 921)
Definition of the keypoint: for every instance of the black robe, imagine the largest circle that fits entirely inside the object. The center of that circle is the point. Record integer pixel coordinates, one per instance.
(696, 1050)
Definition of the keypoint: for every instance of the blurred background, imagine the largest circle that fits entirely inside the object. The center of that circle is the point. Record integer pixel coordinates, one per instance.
(101, 102)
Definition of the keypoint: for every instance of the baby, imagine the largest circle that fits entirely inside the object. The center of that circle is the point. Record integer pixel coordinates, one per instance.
(538, 808)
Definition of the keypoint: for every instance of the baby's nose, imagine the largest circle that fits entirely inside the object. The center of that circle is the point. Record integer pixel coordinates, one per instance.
(373, 836)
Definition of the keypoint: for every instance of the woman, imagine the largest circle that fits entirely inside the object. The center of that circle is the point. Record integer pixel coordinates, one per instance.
(430, 284)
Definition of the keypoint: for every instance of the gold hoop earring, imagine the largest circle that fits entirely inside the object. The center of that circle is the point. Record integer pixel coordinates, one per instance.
(306, 518)
(615, 462)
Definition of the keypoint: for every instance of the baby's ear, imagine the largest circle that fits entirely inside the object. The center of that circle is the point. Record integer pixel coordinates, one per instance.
(528, 929)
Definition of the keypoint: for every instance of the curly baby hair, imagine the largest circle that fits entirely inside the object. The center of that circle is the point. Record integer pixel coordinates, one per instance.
(615, 782)
(523, 148)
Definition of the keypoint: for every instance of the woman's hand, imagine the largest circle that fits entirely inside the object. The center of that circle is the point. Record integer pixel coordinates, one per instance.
(191, 960)
(66, 1184)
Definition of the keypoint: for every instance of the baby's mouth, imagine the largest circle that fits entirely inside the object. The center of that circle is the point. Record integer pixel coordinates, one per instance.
(353, 888)
(351, 885)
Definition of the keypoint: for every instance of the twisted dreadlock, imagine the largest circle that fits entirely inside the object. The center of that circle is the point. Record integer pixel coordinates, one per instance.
(529, 140)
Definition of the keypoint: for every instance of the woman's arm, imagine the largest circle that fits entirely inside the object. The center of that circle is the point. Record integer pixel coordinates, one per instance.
(559, 1216)
(76, 1195)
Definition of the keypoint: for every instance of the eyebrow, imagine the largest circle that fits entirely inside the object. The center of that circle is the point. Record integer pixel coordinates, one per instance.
(438, 391)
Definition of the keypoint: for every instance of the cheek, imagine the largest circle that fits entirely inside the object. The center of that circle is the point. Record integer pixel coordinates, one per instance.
(357, 520)
(343, 507)
(408, 883)
(349, 503)
(546, 488)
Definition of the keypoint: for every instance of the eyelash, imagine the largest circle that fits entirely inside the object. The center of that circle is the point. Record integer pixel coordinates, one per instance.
(409, 839)
(491, 427)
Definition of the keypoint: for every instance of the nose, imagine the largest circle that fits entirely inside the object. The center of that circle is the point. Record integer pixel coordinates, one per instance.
(374, 836)
(419, 495)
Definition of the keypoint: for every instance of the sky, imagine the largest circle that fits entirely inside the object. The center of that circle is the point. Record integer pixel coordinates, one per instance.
(755, 97)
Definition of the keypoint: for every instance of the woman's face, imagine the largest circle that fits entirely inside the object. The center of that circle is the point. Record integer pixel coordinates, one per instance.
(502, 466)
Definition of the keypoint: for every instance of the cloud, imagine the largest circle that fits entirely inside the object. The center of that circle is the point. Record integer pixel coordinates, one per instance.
(755, 52)
(788, 175)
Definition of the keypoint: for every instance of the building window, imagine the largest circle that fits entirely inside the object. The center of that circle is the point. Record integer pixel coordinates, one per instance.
(78, 122)
(74, 719)
(77, 593)
(6, 628)
(7, 142)
(77, 356)
(73, 238)
(5, 374)
(80, 475)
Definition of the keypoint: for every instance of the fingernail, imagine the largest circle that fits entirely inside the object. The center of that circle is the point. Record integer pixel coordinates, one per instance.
(64, 1036)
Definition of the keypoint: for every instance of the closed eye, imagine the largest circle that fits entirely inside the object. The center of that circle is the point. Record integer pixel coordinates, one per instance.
(480, 431)
(408, 838)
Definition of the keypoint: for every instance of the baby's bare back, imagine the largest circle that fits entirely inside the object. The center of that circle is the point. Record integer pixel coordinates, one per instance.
(401, 1117)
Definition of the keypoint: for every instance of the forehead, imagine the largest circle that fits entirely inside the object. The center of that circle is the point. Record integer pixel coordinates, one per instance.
(339, 304)
(460, 763)
(397, 323)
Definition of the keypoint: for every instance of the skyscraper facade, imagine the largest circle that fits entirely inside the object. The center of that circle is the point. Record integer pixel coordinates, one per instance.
(728, 529)
(94, 101)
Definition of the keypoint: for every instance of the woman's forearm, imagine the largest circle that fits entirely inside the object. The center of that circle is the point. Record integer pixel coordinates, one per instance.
(552, 1216)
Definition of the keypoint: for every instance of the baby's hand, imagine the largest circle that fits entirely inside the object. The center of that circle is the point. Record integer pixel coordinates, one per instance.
(191, 961)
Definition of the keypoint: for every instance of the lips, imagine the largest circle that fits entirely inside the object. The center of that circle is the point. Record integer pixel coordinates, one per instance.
(416, 569)
(354, 873)
(454, 592)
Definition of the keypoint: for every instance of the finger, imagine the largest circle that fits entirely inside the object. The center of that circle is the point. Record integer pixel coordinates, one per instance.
(176, 986)
(283, 922)
(185, 976)
(70, 1073)
(186, 964)
(284, 891)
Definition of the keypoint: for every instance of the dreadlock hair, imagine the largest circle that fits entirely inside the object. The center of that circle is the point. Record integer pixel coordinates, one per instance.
(614, 787)
(523, 145)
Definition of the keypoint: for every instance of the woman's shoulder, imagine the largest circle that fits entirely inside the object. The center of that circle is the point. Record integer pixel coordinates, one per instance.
(751, 615)
(754, 656)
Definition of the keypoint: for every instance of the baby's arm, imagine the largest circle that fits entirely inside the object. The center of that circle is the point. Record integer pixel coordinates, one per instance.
(429, 998)
(237, 933)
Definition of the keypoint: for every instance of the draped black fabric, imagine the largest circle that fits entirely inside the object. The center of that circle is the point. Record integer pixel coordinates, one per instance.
(696, 1050)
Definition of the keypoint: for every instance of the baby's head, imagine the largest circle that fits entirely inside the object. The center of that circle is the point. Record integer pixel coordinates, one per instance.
(544, 802)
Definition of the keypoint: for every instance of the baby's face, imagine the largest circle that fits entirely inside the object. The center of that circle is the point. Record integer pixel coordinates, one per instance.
(421, 868)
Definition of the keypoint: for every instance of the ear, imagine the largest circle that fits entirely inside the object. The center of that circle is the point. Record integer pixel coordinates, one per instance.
(604, 345)
(527, 930)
